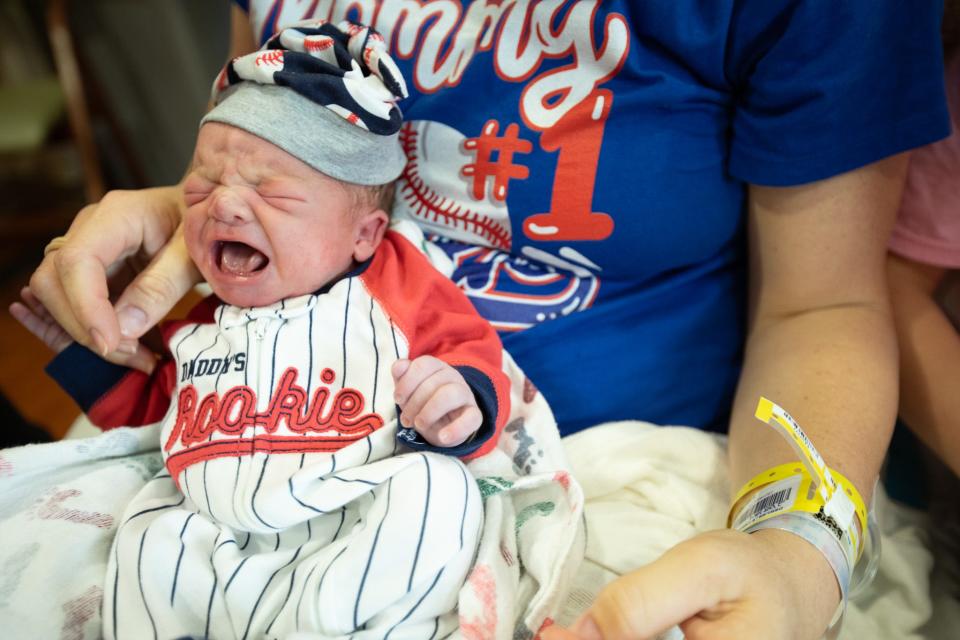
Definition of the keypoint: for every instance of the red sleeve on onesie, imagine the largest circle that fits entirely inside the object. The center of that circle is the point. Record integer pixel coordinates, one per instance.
(112, 395)
(437, 319)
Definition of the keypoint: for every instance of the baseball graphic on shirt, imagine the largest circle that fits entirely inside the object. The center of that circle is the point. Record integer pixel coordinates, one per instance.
(437, 191)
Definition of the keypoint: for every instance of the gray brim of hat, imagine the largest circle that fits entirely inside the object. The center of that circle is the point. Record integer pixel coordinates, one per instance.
(312, 133)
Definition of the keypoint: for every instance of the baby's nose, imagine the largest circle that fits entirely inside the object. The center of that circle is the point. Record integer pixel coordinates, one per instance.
(229, 207)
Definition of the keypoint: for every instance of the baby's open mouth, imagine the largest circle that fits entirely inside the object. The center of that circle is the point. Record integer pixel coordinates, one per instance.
(239, 259)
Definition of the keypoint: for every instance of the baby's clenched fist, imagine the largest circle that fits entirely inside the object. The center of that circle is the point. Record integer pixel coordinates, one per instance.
(436, 401)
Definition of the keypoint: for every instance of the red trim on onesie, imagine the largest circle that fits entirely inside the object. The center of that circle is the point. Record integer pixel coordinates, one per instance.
(137, 399)
(235, 448)
(436, 318)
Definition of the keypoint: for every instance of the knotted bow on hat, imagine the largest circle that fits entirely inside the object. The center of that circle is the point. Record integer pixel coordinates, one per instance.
(326, 94)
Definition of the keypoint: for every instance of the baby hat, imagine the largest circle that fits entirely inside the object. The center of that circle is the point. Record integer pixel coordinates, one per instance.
(325, 94)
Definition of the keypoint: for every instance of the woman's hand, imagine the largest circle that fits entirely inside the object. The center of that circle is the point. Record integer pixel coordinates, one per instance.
(719, 585)
(98, 257)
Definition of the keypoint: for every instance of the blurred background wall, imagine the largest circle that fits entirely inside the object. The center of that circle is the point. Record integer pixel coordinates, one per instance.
(156, 60)
(131, 78)
(147, 63)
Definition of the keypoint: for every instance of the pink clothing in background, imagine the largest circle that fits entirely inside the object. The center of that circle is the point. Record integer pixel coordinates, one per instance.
(928, 226)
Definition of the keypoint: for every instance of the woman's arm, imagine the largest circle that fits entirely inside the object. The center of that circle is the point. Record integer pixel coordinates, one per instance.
(821, 341)
(821, 344)
(929, 358)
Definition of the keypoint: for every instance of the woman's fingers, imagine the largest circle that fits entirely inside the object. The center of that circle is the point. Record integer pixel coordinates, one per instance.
(34, 304)
(31, 314)
(72, 281)
(148, 298)
(718, 585)
(680, 584)
(83, 283)
(45, 284)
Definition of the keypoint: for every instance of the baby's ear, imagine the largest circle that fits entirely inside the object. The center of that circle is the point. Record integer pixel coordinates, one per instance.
(369, 232)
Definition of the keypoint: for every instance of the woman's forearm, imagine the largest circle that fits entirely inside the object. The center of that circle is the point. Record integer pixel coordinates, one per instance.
(821, 341)
(834, 369)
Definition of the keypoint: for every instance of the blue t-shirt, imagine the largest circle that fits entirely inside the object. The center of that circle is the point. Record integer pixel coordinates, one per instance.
(584, 165)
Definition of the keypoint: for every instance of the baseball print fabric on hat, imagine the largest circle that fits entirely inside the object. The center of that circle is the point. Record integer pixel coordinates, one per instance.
(324, 93)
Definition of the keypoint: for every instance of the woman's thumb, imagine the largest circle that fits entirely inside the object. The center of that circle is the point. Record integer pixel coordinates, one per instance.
(156, 289)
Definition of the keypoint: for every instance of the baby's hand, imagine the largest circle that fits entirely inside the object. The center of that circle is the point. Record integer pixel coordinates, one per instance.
(435, 400)
(38, 321)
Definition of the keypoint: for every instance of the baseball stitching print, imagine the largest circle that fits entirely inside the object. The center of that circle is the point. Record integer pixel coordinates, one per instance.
(425, 203)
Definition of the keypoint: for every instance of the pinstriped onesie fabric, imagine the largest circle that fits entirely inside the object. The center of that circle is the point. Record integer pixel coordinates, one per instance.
(385, 558)
(342, 536)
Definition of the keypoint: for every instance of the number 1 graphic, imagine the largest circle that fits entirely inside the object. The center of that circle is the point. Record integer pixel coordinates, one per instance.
(578, 136)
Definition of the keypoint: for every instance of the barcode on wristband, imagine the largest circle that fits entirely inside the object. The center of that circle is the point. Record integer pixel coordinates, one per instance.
(771, 499)
(772, 503)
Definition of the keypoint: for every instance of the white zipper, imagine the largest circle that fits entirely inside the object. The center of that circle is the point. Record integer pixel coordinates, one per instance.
(260, 329)
(259, 333)
(254, 356)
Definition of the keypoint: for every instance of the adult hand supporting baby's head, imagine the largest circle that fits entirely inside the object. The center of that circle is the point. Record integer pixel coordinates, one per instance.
(75, 279)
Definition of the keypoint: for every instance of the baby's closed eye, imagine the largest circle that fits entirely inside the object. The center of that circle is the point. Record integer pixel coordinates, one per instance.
(196, 189)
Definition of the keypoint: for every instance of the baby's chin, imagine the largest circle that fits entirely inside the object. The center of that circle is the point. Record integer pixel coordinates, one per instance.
(252, 296)
(257, 292)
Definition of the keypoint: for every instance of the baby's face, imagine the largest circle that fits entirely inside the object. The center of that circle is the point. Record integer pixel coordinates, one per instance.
(261, 225)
